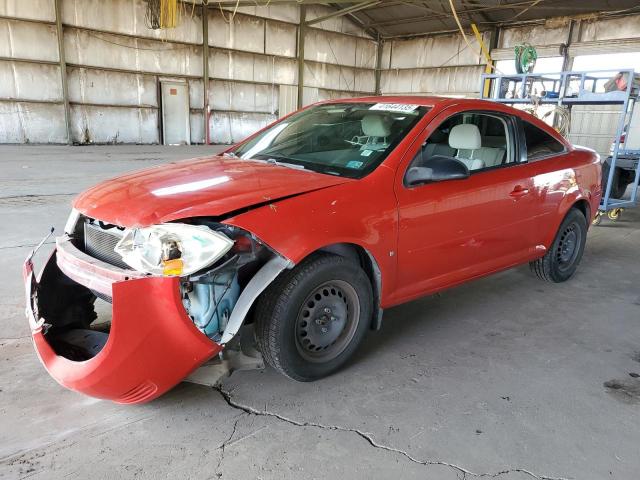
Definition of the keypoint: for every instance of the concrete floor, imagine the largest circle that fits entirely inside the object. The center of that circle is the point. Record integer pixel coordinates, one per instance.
(503, 376)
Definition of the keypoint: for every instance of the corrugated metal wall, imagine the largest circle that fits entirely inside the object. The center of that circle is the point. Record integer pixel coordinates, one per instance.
(445, 65)
(436, 65)
(592, 126)
(114, 64)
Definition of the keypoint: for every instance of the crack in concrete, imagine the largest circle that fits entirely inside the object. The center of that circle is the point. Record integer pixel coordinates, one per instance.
(25, 245)
(31, 195)
(461, 472)
(224, 444)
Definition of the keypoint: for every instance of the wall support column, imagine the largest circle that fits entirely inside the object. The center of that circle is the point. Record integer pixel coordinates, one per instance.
(380, 45)
(573, 36)
(205, 69)
(63, 69)
(301, 35)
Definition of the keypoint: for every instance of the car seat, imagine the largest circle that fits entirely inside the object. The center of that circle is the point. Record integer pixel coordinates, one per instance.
(376, 128)
(466, 139)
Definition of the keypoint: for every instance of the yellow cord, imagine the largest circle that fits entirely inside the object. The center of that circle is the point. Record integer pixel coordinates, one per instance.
(464, 35)
(168, 13)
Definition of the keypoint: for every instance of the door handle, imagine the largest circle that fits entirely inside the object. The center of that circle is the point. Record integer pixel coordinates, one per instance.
(519, 192)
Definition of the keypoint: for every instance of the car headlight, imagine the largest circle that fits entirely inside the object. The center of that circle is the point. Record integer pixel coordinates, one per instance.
(172, 249)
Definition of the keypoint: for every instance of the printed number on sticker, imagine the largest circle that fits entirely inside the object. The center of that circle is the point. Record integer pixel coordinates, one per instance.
(394, 107)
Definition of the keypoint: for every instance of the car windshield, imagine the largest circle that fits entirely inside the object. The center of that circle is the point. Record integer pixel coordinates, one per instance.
(345, 139)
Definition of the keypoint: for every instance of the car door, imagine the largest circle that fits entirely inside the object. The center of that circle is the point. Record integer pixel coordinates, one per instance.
(550, 165)
(455, 230)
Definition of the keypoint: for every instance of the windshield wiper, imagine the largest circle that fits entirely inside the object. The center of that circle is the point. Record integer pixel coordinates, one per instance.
(279, 161)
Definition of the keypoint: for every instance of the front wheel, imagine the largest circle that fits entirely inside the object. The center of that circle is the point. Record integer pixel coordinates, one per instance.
(562, 259)
(313, 317)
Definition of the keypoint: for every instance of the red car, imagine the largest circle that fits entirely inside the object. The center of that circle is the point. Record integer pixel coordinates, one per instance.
(307, 230)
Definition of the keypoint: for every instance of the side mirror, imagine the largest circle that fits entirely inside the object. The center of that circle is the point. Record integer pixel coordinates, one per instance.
(438, 168)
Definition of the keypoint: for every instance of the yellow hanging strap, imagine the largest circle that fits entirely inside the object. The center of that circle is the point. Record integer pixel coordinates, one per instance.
(487, 56)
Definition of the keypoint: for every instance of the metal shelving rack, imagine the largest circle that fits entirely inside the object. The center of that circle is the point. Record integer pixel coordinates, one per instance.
(558, 91)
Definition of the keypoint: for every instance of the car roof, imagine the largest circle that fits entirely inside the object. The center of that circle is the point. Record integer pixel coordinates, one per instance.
(444, 102)
(427, 101)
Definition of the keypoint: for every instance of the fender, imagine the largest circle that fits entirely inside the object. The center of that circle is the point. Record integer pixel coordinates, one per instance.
(580, 185)
(365, 214)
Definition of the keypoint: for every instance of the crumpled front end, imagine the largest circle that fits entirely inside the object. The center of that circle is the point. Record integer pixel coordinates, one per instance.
(151, 345)
(162, 327)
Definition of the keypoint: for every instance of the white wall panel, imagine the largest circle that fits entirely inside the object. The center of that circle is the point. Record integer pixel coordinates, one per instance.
(31, 123)
(28, 40)
(220, 128)
(281, 39)
(33, 9)
(115, 62)
(196, 93)
(286, 13)
(534, 34)
(436, 51)
(385, 61)
(30, 81)
(243, 33)
(324, 75)
(111, 88)
(616, 28)
(113, 51)
(594, 126)
(91, 124)
(243, 97)
(227, 127)
(365, 81)
(329, 47)
(312, 95)
(128, 16)
(196, 123)
(443, 81)
(366, 53)
(224, 64)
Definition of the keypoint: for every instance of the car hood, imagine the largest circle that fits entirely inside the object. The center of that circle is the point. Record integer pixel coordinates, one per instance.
(212, 186)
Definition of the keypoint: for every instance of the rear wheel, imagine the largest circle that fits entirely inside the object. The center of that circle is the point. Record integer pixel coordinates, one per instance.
(562, 259)
(313, 317)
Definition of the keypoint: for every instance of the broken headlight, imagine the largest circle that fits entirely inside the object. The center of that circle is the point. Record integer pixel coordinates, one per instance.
(172, 249)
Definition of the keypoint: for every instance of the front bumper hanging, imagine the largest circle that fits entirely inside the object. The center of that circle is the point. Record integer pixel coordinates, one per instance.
(152, 344)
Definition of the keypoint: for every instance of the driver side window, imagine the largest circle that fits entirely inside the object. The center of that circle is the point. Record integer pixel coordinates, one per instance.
(478, 140)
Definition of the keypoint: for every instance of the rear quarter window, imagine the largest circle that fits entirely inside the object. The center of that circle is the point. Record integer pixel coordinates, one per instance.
(539, 143)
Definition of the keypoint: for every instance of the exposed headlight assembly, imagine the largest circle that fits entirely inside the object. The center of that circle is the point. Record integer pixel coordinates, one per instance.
(172, 249)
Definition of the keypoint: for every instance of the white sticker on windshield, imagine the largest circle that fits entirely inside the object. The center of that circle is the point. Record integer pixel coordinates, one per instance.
(394, 107)
(366, 153)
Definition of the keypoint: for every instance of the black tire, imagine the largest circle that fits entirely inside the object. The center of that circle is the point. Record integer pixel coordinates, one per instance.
(322, 282)
(562, 259)
(619, 182)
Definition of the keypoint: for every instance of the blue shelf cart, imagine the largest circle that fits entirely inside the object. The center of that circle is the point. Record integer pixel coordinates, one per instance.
(565, 89)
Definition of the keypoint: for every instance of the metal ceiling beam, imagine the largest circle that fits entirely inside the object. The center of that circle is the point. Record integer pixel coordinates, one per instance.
(252, 3)
(344, 11)
(399, 21)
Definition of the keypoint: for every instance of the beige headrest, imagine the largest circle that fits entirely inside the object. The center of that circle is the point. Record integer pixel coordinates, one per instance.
(376, 125)
(465, 137)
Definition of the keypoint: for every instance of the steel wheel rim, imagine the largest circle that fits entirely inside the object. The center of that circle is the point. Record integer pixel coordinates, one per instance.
(568, 246)
(327, 321)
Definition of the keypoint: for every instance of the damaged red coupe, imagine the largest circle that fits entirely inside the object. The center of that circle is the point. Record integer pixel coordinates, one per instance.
(307, 230)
